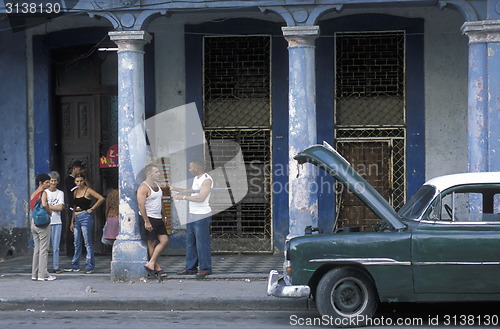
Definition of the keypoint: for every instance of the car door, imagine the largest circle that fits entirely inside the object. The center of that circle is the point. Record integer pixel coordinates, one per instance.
(458, 250)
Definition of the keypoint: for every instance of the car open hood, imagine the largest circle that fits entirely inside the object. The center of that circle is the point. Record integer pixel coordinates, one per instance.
(327, 158)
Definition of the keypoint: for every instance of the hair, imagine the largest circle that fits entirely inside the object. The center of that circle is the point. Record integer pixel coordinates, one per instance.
(199, 163)
(79, 176)
(149, 168)
(54, 175)
(41, 178)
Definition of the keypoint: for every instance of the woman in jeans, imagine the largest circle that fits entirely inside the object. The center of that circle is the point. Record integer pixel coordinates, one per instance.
(82, 222)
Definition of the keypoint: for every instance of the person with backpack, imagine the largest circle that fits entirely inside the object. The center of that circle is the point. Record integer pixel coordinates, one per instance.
(40, 229)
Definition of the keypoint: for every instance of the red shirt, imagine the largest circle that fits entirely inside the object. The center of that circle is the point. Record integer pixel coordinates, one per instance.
(34, 200)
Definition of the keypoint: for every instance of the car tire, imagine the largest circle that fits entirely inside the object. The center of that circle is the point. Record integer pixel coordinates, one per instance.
(347, 296)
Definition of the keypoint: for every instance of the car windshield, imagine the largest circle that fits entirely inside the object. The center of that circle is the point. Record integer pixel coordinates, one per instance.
(418, 203)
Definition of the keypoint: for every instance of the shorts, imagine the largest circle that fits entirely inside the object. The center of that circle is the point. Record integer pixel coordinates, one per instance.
(159, 228)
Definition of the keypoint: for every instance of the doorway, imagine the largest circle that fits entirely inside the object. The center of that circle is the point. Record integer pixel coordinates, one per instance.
(370, 118)
(86, 120)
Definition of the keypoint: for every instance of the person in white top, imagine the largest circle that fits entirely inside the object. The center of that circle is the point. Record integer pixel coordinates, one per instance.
(198, 250)
(149, 195)
(55, 199)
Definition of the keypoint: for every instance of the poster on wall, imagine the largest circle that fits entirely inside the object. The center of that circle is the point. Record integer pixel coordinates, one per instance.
(111, 158)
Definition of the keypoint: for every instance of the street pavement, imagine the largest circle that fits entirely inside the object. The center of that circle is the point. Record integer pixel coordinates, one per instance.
(231, 287)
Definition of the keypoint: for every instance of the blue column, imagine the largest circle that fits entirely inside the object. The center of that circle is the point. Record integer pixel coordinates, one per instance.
(484, 95)
(129, 251)
(302, 130)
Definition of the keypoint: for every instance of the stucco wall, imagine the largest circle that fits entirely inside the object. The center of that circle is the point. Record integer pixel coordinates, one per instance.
(445, 62)
(446, 66)
(445, 84)
(13, 156)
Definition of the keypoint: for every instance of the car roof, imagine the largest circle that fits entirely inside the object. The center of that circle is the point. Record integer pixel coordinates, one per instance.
(444, 182)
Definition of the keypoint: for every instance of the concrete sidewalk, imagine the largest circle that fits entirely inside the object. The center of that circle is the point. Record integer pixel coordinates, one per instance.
(80, 291)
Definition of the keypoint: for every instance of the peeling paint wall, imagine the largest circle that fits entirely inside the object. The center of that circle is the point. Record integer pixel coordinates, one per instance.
(14, 192)
(445, 103)
(446, 63)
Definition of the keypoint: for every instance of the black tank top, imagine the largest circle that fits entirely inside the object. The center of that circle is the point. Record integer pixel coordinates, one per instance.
(83, 202)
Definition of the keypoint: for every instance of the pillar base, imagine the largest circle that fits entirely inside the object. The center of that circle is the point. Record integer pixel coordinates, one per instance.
(129, 258)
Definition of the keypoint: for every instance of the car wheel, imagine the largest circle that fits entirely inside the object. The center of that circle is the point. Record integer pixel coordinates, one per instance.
(348, 296)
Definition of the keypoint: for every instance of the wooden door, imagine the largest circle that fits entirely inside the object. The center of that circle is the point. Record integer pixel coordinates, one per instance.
(372, 160)
(80, 139)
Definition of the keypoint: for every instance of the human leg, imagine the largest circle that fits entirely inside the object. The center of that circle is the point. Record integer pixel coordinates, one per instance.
(87, 228)
(151, 249)
(153, 261)
(44, 252)
(191, 255)
(55, 239)
(77, 237)
(203, 248)
(160, 234)
(69, 237)
(36, 252)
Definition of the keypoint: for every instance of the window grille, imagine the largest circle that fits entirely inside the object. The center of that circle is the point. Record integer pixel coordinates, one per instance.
(237, 107)
(370, 117)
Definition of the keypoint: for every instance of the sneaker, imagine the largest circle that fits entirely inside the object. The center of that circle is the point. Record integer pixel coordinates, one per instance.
(89, 271)
(34, 278)
(57, 271)
(49, 278)
(71, 270)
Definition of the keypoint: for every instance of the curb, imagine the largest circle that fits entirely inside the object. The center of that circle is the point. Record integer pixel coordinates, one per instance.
(230, 276)
(212, 304)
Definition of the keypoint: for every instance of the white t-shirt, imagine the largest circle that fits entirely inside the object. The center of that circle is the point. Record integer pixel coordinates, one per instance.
(53, 199)
(200, 208)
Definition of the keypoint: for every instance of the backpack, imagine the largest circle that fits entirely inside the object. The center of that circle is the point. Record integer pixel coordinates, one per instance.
(41, 217)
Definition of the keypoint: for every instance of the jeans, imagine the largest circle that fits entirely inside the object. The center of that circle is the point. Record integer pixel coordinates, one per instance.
(84, 223)
(55, 239)
(198, 250)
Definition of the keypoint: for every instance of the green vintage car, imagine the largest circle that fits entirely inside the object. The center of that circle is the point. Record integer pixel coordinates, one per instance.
(443, 245)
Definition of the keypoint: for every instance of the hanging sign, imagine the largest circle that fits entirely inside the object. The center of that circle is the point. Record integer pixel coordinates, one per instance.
(111, 158)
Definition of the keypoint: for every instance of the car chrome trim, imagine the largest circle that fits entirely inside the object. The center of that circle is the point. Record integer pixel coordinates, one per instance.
(456, 263)
(277, 288)
(363, 261)
(444, 222)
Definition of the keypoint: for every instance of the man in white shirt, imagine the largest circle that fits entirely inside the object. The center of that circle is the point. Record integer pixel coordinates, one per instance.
(55, 200)
(198, 250)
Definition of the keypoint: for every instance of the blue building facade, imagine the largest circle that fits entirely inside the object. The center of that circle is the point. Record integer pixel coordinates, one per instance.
(407, 88)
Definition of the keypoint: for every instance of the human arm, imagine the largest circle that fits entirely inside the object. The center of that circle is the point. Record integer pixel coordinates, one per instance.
(60, 202)
(206, 186)
(72, 225)
(58, 207)
(178, 189)
(142, 194)
(45, 204)
(100, 200)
